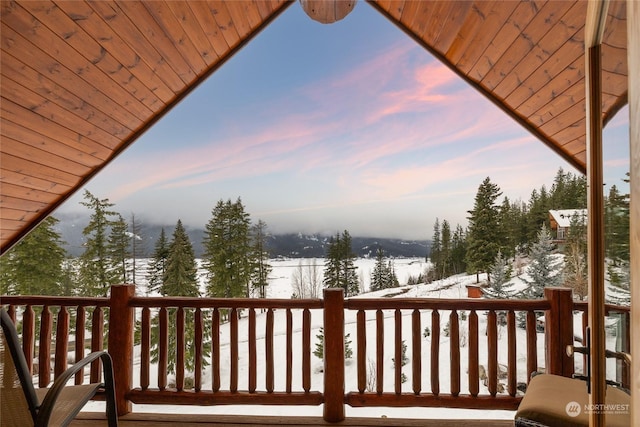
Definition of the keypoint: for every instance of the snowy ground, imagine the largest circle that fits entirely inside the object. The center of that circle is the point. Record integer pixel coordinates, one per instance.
(280, 287)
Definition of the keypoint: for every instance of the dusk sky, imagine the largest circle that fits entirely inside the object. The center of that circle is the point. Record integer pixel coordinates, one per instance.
(322, 128)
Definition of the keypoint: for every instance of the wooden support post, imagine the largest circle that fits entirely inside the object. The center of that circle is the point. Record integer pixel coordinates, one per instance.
(559, 331)
(333, 355)
(633, 61)
(121, 326)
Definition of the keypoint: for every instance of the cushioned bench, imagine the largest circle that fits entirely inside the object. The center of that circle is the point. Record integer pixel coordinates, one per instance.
(552, 400)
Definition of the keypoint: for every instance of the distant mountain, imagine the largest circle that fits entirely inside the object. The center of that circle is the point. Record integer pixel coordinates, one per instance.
(293, 245)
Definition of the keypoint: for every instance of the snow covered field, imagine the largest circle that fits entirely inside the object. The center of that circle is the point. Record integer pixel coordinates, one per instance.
(280, 287)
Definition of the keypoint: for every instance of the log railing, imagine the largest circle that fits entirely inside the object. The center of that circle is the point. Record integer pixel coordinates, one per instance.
(620, 316)
(230, 346)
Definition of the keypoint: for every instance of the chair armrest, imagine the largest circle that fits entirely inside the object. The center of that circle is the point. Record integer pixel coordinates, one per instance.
(48, 403)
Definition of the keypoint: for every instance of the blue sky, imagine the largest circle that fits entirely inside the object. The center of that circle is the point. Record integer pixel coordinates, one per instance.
(321, 128)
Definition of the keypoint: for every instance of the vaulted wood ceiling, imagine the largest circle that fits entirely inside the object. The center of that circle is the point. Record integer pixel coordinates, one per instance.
(80, 81)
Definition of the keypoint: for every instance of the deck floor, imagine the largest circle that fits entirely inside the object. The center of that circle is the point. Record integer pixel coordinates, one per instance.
(196, 420)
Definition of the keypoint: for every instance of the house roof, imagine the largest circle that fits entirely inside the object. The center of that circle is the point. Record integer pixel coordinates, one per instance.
(562, 218)
(81, 81)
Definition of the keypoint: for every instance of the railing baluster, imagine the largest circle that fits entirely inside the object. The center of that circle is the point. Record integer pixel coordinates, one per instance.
(379, 351)
(474, 380)
(62, 342)
(97, 342)
(306, 350)
(532, 344)
(511, 342)
(215, 350)
(435, 352)
(585, 324)
(253, 358)
(454, 345)
(233, 347)
(289, 350)
(492, 353)
(28, 335)
(145, 348)
(44, 353)
(163, 348)
(79, 347)
(398, 351)
(198, 345)
(180, 348)
(362, 350)
(268, 342)
(416, 346)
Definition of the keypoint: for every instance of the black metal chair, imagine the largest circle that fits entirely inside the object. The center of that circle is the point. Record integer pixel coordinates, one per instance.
(24, 405)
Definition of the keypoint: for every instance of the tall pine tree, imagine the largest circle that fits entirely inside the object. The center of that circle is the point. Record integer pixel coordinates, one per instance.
(340, 270)
(96, 270)
(227, 247)
(543, 270)
(158, 264)
(260, 258)
(484, 236)
(36, 265)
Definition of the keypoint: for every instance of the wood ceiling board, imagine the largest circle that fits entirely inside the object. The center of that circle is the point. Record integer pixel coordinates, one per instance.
(194, 31)
(19, 203)
(21, 116)
(172, 29)
(408, 13)
(29, 137)
(508, 33)
(521, 52)
(571, 117)
(437, 22)
(13, 69)
(209, 25)
(475, 26)
(21, 21)
(239, 17)
(566, 28)
(145, 55)
(17, 178)
(17, 93)
(422, 17)
(225, 24)
(492, 22)
(27, 193)
(58, 22)
(456, 18)
(556, 75)
(558, 105)
(142, 24)
(28, 167)
(94, 25)
(41, 157)
(13, 214)
(17, 46)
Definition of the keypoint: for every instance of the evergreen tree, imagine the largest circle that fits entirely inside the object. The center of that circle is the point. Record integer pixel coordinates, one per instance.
(36, 265)
(538, 214)
(180, 276)
(617, 226)
(180, 279)
(445, 250)
(137, 246)
(575, 258)
(458, 251)
(96, 273)
(157, 266)
(383, 275)
(543, 270)
(319, 350)
(500, 287)
(436, 248)
(484, 234)
(260, 257)
(227, 257)
(340, 270)
(118, 248)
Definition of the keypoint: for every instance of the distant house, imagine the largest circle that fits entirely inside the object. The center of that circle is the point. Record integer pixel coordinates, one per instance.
(560, 221)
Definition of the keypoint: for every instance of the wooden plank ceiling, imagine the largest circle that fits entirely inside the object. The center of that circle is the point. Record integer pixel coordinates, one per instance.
(80, 80)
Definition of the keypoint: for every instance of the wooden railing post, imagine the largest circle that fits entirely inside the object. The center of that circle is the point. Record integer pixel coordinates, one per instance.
(333, 355)
(559, 331)
(121, 326)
